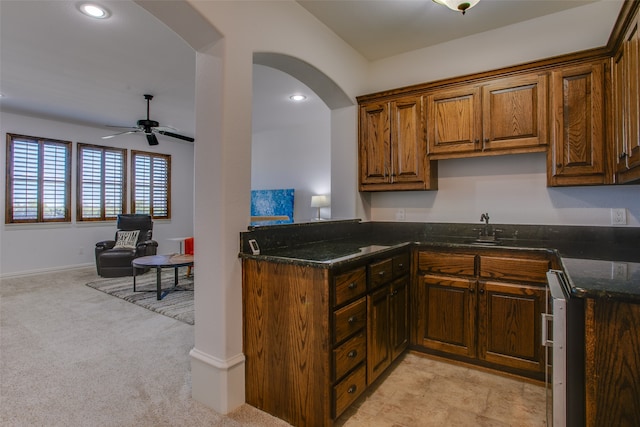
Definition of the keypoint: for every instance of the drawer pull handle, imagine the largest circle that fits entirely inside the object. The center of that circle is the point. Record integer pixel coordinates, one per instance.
(352, 319)
(382, 273)
(400, 265)
(353, 285)
(352, 353)
(352, 389)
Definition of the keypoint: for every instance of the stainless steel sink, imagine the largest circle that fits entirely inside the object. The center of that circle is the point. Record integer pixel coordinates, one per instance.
(481, 242)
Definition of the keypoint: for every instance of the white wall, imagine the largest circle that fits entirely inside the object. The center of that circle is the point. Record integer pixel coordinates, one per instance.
(37, 248)
(512, 189)
(291, 143)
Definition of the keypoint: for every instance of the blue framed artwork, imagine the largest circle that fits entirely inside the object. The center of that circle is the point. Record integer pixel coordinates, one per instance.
(272, 206)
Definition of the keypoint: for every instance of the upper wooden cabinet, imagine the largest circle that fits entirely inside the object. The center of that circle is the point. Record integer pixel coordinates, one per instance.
(507, 115)
(392, 151)
(626, 104)
(577, 155)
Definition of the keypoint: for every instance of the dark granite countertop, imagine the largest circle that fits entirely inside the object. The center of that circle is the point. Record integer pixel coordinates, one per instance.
(596, 268)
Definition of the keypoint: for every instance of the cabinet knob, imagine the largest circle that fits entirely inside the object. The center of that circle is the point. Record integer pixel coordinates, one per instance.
(559, 165)
(622, 156)
(382, 273)
(352, 285)
(481, 290)
(352, 319)
(472, 289)
(352, 389)
(400, 265)
(352, 353)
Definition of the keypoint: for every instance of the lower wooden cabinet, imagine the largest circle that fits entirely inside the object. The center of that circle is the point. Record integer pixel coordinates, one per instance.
(315, 338)
(612, 363)
(482, 307)
(388, 326)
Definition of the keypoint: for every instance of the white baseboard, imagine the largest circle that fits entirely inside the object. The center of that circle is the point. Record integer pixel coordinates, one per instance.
(217, 383)
(46, 270)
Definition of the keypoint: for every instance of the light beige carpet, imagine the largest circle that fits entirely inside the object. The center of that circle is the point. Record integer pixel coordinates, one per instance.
(177, 305)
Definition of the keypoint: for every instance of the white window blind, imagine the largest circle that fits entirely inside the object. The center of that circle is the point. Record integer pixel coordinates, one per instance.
(38, 184)
(101, 182)
(151, 184)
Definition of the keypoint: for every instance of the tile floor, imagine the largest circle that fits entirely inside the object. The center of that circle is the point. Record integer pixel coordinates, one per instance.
(421, 391)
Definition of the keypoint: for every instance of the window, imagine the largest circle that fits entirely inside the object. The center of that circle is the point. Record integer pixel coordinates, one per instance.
(38, 180)
(102, 178)
(151, 184)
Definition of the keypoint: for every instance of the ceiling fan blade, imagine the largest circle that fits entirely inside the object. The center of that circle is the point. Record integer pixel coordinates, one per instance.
(120, 133)
(175, 135)
(151, 138)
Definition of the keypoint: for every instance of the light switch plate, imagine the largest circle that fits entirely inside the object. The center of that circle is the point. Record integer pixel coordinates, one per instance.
(619, 270)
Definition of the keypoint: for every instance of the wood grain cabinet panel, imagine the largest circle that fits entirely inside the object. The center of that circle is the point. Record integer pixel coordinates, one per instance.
(626, 104)
(445, 314)
(481, 306)
(577, 155)
(503, 116)
(508, 333)
(392, 151)
(612, 363)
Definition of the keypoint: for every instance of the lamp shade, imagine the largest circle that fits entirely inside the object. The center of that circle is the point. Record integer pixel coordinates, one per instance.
(458, 5)
(320, 201)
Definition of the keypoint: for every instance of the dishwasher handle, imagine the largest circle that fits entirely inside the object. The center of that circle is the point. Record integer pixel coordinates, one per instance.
(546, 318)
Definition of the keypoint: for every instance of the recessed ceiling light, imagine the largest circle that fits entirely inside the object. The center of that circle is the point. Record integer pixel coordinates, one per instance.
(94, 11)
(297, 98)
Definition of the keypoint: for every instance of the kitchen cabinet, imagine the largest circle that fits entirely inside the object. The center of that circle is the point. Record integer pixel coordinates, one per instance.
(311, 333)
(481, 306)
(577, 155)
(387, 311)
(612, 363)
(502, 116)
(392, 151)
(626, 104)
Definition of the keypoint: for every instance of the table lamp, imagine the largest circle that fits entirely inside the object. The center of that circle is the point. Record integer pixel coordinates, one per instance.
(320, 201)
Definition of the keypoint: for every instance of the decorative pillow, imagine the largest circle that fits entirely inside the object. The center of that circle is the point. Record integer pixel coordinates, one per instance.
(127, 239)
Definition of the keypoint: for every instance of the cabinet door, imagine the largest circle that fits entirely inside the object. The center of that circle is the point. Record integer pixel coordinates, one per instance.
(399, 316)
(375, 140)
(444, 315)
(408, 148)
(514, 113)
(378, 333)
(577, 154)
(454, 120)
(509, 325)
(627, 104)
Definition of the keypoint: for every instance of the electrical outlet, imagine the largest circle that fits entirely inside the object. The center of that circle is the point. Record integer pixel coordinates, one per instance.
(619, 270)
(619, 216)
(400, 215)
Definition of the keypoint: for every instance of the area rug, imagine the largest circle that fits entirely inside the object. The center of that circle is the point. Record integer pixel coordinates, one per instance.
(178, 305)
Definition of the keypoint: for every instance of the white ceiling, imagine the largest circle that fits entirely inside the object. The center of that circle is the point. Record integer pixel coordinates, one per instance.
(57, 63)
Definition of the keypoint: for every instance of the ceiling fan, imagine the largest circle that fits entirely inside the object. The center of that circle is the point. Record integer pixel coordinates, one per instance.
(150, 128)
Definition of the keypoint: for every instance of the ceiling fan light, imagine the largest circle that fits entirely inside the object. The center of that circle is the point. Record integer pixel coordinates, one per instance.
(458, 5)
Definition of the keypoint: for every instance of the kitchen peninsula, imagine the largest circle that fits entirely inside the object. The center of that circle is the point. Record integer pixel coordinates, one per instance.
(328, 307)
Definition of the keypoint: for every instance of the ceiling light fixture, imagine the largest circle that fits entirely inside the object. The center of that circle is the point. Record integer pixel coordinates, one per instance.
(297, 98)
(94, 11)
(458, 5)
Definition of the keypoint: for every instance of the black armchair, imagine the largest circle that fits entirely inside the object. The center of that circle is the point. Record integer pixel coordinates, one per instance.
(113, 261)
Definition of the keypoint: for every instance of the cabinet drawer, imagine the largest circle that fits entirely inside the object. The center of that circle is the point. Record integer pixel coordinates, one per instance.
(447, 263)
(349, 319)
(349, 389)
(400, 265)
(380, 272)
(350, 285)
(518, 269)
(349, 354)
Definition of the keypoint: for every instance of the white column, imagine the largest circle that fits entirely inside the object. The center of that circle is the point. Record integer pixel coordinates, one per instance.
(222, 206)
